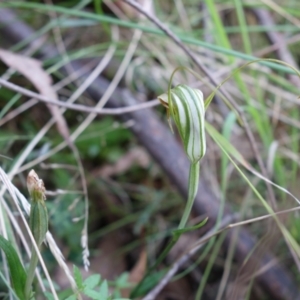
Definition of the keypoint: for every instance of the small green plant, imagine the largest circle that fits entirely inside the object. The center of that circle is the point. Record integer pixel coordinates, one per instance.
(18, 275)
(92, 287)
(38, 222)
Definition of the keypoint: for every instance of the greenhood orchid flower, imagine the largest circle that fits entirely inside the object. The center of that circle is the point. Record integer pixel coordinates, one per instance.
(186, 106)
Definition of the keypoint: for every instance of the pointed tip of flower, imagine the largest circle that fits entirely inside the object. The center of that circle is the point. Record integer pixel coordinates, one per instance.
(163, 99)
(35, 186)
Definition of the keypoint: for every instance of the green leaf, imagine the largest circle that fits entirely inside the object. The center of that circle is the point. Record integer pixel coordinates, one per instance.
(103, 293)
(72, 297)
(17, 272)
(122, 281)
(147, 284)
(78, 278)
(92, 281)
(65, 294)
(49, 296)
(93, 294)
(178, 232)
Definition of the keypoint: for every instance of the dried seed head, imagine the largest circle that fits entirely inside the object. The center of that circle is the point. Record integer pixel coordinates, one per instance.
(35, 187)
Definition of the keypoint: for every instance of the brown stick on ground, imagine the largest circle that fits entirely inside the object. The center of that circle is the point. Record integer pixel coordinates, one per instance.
(162, 145)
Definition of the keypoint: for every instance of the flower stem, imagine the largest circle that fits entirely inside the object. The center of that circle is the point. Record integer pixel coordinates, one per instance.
(193, 188)
(38, 223)
(31, 273)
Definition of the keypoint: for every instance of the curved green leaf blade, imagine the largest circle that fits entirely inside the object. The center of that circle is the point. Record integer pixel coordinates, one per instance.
(17, 272)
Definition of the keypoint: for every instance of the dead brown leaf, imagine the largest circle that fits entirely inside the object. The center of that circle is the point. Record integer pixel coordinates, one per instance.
(32, 69)
(137, 273)
(108, 263)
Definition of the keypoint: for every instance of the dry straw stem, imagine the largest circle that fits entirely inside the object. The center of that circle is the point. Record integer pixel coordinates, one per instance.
(57, 86)
(78, 107)
(278, 39)
(281, 12)
(105, 97)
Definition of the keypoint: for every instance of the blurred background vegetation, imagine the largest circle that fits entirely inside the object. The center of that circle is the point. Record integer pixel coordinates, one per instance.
(134, 202)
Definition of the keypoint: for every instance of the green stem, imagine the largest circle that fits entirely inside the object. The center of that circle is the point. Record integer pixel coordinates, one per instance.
(193, 188)
(163, 255)
(31, 273)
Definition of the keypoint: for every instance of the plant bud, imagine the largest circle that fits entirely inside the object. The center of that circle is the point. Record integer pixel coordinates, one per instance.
(188, 111)
(38, 219)
(35, 187)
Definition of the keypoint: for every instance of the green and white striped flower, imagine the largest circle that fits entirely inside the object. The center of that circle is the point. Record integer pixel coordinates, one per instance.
(186, 106)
